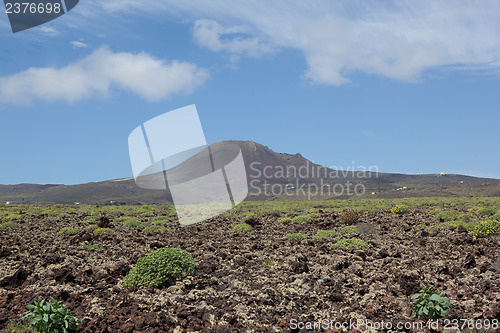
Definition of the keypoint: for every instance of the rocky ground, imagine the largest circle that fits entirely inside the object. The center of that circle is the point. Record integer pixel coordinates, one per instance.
(303, 280)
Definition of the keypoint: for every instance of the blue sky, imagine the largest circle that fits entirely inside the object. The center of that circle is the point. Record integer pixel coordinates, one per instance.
(406, 86)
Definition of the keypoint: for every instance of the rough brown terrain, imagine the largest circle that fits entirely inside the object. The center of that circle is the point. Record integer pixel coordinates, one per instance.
(235, 291)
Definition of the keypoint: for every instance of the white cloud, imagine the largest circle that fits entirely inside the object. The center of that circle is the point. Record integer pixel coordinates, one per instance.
(141, 74)
(49, 31)
(78, 45)
(395, 39)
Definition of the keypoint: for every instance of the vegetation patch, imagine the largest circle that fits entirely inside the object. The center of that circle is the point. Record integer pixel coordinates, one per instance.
(69, 231)
(349, 216)
(487, 228)
(50, 317)
(286, 220)
(92, 227)
(349, 229)
(301, 219)
(242, 227)
(447, 215)
(8, 225)
(161, 267)
(155, 228)
(326, 234)
(400, 209)
(429, 304)
(103, 231)
(350, 242)
(488, 211)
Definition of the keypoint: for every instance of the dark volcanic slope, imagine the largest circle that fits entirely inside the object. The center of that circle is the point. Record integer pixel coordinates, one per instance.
(262, 165)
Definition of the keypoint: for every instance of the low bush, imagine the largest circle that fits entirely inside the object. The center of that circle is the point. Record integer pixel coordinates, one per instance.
(301, 219)
(8, 225)
(447, 215)
(92, 227)
(286, 220)
(349, 216)
(295, 235)
(496, 216)
(488, 211)
(400, 209)
(350, 242)
(242, 227)
(487, 228)
(326, 234)
(155, 228)
(349, 229)
(103, 231)
(161, 267)
(50, 317)
(69, 231)
(92, 219)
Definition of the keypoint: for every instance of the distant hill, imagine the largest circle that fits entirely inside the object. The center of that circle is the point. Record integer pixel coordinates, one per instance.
(291, 176)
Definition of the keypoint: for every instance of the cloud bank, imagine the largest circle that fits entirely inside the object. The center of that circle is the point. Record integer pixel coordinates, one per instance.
(96, 75)
(394, 39)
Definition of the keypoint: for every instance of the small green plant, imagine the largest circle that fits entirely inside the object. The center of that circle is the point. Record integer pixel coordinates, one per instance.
(295, 235)
(326, 234)
(429, 304)
(313, 216)
(496, 216)
(93, 247)
(91, 219)
(130, 222)
(242, 227)
(50, 317)
(161, 267)
(102, 231)
(8, 225)
(447, 215)
(69, 231)
(400, 209)
(301, 219)
(349, 229)
(350, 242)
(268, 262)
(488, 211)
(487, 228)
(286, 220)
(92, 227)
(420, 226)
(349, 216)
(155, 228)
(159, 220)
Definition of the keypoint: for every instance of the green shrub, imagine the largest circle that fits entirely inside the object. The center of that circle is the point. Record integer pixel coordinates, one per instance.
(92, 227)
(313, 216)
(50, 317)
(268, 262)
(429, 304)
(69, 231)
(496, 216)
(159, 220)
(487, 227)
(286, 220)
(326, 234)
(349, 216)
(400, 209)
(155, 228)
(295, 235)
(447, 215)
(300, 219)
(130, 222)
(103, 231)
(349, 229)
(434, 211)
(242, 227)
(486, 211)
(161, 267)
(92, 219)
(420, 226)
(350, 242)
(8, 225)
